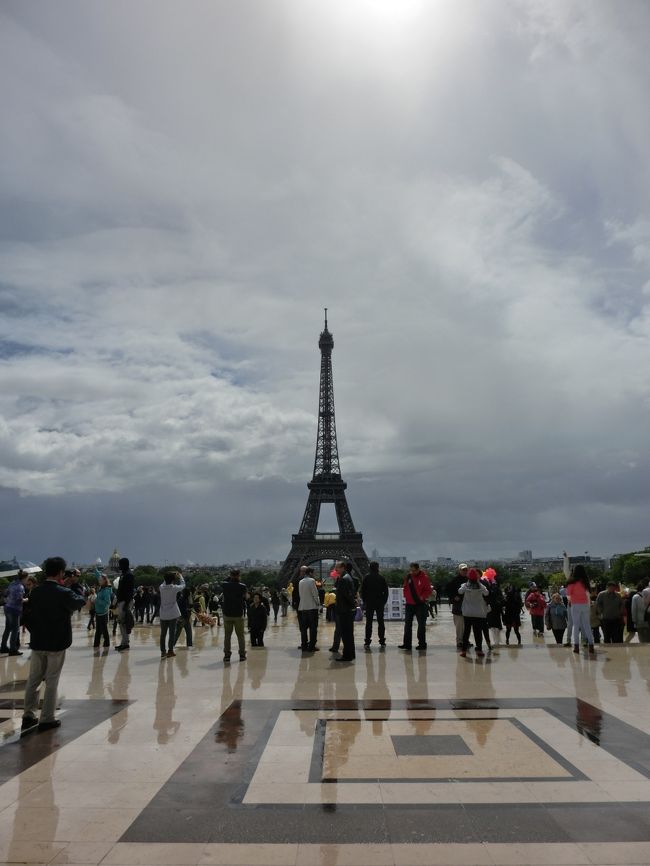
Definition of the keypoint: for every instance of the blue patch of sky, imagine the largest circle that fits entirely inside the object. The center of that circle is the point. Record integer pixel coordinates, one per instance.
(12, 349)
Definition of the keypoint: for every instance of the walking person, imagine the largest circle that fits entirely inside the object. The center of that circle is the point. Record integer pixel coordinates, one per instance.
(611, 609)
(346, 606)
(169, 612)
(512, 607)
(308, 611)
(556, 617)
(640, 612)
(14, 600)
(258, 618)
(578, 589)
(474, 594)
(102, 605)
(52, 606)
(374, 594)
(493, 619)
(416, 589)
(536, 606)
(337, 574)
(234, 607)
(275, 604)
(124, 609)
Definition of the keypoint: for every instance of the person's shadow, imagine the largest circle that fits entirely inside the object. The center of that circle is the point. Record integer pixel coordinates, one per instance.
(165, 703)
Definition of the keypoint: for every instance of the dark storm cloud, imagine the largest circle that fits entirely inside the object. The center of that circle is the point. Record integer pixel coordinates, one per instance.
(183, 187)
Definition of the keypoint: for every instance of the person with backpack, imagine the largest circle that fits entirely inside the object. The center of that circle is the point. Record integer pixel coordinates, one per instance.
(416, 589)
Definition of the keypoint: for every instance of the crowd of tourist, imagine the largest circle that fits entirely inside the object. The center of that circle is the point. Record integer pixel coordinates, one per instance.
(481, 609)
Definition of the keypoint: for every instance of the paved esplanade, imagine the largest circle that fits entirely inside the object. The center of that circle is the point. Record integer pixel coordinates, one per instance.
(534, 756)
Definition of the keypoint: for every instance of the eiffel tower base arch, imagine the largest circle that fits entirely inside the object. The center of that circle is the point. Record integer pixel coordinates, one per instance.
(305, 550)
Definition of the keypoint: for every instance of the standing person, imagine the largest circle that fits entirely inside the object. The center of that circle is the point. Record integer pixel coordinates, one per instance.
(234, 606)
(92, 597)
(52, 606)
(125, 592)
(284, 601)
(611, 609)
(184, 602)
(275, 604)
(308, 611)
(578, 588)
(512, 607)
(641, 612)
(14, 600)
(374, 594)
(416, 589)
(474, 594)
(169, 612)
(556, 617)
(493, 619)
(102, 606)
(536, 606)
(346, 606)
(337, 573)
(155, 601)
(257, 620)
(456, 601)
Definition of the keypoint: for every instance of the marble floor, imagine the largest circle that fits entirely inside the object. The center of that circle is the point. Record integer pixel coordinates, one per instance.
(531, 756)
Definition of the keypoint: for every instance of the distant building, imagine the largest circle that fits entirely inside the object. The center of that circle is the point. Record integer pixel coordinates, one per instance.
(525, 555)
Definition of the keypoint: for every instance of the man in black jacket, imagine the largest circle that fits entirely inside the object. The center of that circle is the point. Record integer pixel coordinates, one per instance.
(346, 606)
(125, 593)
(51, 607)
(233, 606)
(374, 592)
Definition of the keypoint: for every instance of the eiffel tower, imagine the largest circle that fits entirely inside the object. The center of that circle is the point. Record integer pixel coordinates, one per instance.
(308, 545)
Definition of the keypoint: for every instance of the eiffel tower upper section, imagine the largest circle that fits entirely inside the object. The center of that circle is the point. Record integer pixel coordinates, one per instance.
(326, 486)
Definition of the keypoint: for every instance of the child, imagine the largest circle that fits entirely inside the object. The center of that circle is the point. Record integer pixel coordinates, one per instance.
(257, 620)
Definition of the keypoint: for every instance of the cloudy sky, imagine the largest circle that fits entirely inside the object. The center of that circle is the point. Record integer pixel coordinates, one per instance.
(184, 187)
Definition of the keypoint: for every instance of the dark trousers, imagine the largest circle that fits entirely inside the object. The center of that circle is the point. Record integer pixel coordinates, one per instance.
(375, 610)
(101, 630)
(612, 630)
(419, 612)
(336, 640)
(12, 630)
(346, 628)
(185, 624)
(308, 620)
(537, 621)
(515, 628)
(167, 627)
(257, 636)
(473, 624)
(558, 634)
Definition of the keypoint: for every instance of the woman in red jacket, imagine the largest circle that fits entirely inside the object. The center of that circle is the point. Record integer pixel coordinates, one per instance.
(536, 606)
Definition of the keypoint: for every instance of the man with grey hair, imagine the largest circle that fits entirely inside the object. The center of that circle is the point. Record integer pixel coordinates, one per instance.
(308, 609)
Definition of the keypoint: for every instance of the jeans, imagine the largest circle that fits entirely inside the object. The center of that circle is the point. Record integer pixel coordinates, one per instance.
(346, 627)
(44, 666)
(475, 624)
(581, 617)
(308, 620)
(230, 623)
(167, 627)
(122, 610)
(419, 612)
(185, 624)
(12, 629)
(612, 630)
(101, 630)
(378, 611)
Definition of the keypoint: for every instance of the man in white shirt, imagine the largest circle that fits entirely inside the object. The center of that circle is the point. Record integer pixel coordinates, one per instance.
(308, 609)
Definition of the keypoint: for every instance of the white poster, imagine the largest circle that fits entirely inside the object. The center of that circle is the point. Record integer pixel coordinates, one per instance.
(395, 605)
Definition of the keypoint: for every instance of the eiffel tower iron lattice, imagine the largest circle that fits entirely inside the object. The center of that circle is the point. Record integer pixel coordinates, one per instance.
(308, 545)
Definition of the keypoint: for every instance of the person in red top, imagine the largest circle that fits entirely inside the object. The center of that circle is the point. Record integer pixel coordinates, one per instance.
(578, 589)
(416, 589)
(536, 606)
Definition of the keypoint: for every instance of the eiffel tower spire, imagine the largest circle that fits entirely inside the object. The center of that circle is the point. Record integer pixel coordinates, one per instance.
(326, 486)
